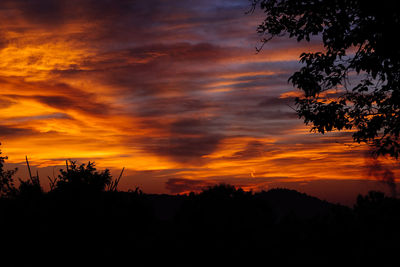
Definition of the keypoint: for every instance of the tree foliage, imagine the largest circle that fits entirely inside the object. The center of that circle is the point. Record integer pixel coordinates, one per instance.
(353, 83)
(75, 179)
(7, 187)
(83, 177)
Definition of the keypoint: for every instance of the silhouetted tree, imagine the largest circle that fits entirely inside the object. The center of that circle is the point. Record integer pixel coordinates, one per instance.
(82, 178)
(28, 189)
(359, 37)
(7, 187)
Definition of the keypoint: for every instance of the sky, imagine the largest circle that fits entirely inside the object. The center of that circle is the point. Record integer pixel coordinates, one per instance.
(173, 91)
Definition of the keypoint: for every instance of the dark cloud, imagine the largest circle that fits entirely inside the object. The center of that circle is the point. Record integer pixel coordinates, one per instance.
(5, 102)
(157, 68)
(274, 101)
(254, 149)
(48, 12)
(286, 162)
(56, 12)
(156, 107)
(258, 81)
(187, 149)
(154, 56)
(59, 95)
(198, 53)
(87, 104)
(57, 115)
(3, 40)
(190, 126)
(56, 101)
(186, 139)
(10, 132)
(122, 20)
(268, 114)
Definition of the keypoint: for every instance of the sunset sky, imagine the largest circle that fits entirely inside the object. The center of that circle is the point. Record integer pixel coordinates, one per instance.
(172, 90)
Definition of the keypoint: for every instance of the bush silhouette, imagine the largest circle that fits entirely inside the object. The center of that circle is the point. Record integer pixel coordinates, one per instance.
(82, 178)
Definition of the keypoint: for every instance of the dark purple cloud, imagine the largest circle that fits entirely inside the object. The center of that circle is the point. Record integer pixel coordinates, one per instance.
(187, 149)
(59, 95)
(11, 132)
(254, 149)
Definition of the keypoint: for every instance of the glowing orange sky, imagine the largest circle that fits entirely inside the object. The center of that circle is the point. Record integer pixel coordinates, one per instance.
(171, 90)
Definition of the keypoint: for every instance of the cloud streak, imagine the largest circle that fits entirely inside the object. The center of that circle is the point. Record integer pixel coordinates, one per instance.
(172, 90)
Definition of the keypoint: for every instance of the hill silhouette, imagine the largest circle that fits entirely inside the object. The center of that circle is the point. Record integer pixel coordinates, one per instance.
(85, 220)
(285, 202)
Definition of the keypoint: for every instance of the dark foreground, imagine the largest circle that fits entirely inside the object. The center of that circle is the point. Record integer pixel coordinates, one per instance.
(221, 226)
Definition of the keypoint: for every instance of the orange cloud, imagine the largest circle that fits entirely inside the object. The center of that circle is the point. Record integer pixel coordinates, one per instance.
(170, 91)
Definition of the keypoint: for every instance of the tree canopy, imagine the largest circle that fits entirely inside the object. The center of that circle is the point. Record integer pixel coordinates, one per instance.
(7, 187)
(353, 83)
(82, 178)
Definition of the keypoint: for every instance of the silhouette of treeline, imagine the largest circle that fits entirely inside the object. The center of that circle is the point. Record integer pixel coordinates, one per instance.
(85, 220)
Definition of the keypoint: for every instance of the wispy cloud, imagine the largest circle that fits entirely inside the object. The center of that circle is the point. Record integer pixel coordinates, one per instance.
(172, 90)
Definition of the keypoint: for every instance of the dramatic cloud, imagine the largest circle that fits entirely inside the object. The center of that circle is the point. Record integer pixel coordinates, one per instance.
(14, 132)
(171, 90)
